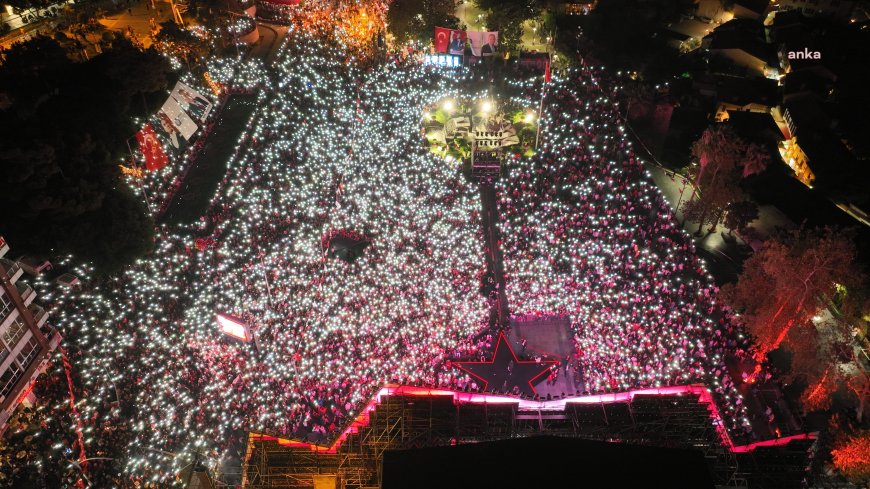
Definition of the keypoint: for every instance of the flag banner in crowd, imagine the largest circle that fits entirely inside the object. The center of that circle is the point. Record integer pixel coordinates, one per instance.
(175, 124)
(191, 101)
(483, 43)
(155, 157)
(450, 41)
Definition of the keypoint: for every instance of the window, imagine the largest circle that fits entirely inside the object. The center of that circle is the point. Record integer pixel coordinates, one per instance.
(9, 378)
(14, 333)
(5, 304)
(25, 356)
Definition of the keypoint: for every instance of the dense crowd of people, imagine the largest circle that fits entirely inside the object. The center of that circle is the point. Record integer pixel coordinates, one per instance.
(588, 236)
(335, 149)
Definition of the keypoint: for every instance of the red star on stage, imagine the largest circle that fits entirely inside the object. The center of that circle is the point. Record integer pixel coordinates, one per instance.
(523, 374)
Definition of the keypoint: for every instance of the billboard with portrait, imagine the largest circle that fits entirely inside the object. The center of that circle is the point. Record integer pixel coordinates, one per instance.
(175, 124)
(483, 43)
(191, 101)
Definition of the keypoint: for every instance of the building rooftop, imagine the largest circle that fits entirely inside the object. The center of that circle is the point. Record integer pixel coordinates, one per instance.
(758, 6)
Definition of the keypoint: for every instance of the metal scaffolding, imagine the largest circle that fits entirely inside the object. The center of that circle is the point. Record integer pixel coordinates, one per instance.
(414, 421)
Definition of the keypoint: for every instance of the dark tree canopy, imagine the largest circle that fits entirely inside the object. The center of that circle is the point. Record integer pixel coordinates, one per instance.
(626, 36)
(415, 20)
(63, 137)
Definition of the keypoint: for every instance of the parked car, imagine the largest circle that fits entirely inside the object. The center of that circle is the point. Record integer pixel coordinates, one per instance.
(33, 266)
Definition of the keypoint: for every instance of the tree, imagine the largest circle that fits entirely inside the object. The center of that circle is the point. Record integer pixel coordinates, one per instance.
(509, 24)
(64, 134)
(625, 34)
(179, 42)
(507, 17)
(739, 214)
(755, 160)
(415, 20)
(723, 159)
(852, 457)
(794, 270)
(702, 211)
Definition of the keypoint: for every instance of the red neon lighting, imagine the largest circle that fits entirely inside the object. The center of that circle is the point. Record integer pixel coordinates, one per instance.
(503, 340)
(554, 405)
(774, 443)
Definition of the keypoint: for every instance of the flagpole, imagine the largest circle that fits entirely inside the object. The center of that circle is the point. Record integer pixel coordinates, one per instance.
(141, 187)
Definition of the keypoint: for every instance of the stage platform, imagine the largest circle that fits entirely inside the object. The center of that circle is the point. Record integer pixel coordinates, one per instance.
(552, 338)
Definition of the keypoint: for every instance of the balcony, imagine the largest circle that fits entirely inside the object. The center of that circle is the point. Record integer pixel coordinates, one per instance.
(13, 270)
(26, 292)
(54, 340)
(39, 315)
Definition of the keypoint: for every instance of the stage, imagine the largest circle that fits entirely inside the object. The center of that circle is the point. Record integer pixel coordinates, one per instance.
(551, 338)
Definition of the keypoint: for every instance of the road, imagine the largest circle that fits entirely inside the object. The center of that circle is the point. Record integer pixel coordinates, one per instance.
(271, 38)
(138, 17)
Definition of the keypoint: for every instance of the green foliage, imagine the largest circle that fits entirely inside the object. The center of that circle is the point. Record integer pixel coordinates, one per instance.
(415, 20)
(63, 137)
(509, 25)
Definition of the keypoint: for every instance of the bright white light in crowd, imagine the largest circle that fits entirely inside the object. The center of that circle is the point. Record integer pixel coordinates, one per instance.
(487, 106)
(529, 117)
(448, 106)
(233, 328)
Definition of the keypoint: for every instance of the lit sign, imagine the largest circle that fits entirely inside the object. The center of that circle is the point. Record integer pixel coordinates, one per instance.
(442, 60)
(234, 328)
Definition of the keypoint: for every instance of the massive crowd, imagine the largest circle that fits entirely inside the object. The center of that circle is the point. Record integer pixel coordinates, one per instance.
(336, 149)
(588, 236)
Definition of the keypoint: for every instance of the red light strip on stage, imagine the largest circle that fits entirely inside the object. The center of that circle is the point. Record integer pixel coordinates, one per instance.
(774, 443)
(554, 405)
(502, 340)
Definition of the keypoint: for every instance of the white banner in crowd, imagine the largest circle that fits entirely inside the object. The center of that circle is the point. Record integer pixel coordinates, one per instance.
(193, 103)
(181, 114)
(175, 123)
(483, 43)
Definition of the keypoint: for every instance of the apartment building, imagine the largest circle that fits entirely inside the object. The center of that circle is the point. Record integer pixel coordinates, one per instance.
(26, 340)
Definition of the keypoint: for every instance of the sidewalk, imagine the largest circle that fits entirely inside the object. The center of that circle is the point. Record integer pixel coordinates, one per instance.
(27, 32)
(138, 17)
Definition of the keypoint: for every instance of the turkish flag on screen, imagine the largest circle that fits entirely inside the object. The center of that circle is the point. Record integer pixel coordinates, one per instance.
(155, 157)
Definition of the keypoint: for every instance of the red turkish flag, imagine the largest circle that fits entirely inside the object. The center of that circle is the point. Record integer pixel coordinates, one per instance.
(547, 77)
(449, 41)
(155, 157)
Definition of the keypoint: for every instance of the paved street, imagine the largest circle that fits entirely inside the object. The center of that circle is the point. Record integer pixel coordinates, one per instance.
(138, 17)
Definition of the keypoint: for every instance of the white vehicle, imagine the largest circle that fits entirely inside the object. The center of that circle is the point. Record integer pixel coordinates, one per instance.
(68, 280)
